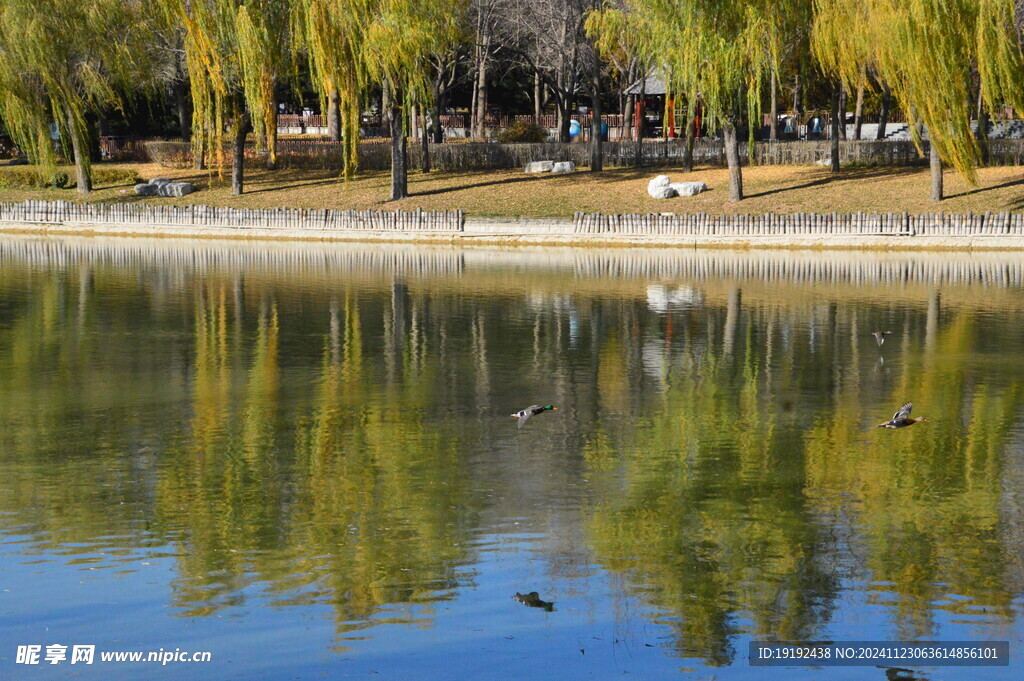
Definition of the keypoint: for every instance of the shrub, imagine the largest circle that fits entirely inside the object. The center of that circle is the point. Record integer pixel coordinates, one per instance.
(523, 131)
(31, 177)
(170, 154)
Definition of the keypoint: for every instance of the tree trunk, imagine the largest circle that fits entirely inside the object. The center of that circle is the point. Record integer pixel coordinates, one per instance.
(773, 125)
(471, 130)
(564, 119)
(691, 133)
(386, 108)
(638, 158)
(435, 124)
(858, 117)
(842, 112)
(272, 140)
(732, 157)
(334, 116)
(80, 151)
(184, 108)
(935, 162)
(835, 130)
(982, 135)
(424, 142)
(883, 114)
(596, 143)
(94, 129)
(241, 126)
(399, 168)
(538, 94)
(483, 54)
(627, 117)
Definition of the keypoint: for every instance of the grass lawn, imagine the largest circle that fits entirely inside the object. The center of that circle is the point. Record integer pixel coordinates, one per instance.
(780, 189)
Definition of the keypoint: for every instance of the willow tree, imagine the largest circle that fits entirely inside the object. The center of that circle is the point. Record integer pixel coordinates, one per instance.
(400, 39)
(843, 45)
(925, 50)
(331, 34)
(265, 51)
(62, 62)
(619, 37)
(721, 49)
(233, 53)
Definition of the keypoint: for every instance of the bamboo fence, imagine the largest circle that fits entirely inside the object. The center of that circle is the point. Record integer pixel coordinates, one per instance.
(668, 225)
(63, 212)
(803, 224)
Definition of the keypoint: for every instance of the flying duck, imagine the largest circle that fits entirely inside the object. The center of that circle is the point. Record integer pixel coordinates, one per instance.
(524, 414)
(902, 418)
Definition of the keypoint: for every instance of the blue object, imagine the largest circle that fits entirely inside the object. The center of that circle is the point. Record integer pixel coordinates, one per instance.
(574, 128)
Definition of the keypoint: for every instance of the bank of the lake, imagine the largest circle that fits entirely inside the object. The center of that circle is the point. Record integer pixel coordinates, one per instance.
(500, 193)
(888, 231)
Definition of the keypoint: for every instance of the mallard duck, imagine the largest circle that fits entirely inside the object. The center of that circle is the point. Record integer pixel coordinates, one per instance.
(902, 418)
(532, 600)
(880, 336)
(524, 414)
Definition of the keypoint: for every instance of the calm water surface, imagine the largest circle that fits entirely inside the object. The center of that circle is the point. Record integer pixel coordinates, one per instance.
(300, 458)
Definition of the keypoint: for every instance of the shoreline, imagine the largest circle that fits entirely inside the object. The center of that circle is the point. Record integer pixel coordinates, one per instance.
(531, 232)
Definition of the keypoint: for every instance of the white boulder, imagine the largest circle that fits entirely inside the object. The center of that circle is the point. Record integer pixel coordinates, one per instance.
(564, 167)
(689, 188)
(175, 189)
(661, 188)
(539, 167)
(146, 189)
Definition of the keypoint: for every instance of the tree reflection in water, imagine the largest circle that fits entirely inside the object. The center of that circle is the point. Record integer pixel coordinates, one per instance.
(328, 425)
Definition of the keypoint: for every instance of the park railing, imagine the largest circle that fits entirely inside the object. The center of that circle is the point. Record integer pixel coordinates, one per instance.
(328, 155)
(146, 215)
(802, 224)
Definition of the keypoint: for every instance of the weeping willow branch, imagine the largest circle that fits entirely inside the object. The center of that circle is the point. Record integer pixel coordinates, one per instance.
(59, 62)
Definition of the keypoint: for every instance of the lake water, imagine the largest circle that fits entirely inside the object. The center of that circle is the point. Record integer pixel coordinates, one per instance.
(300, 459)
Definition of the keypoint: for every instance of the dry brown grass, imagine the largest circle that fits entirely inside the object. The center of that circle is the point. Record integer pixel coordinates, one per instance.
(780, 189)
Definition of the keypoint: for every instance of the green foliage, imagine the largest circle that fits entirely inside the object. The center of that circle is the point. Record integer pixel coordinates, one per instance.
(353, 43)
(234, 54)
(523, 131)
(925, 50)
(60, 61)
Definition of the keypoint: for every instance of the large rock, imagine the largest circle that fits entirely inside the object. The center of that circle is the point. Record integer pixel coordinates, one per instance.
(146, 189)
(159, 181)
(564, 167)
(176, 189)
(539, 167)
(689, 188)
(661, 188)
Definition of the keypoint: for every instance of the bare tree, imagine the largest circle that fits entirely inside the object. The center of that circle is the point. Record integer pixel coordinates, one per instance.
(486, 16)
(548, 36)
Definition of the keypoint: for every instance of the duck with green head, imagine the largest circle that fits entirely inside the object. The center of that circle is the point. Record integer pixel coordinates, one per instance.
(524, 414)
